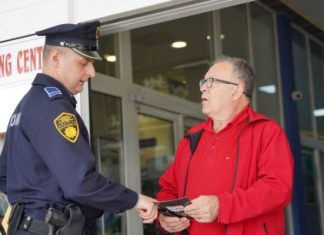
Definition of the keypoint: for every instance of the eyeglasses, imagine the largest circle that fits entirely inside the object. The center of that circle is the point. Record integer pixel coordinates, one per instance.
(209, 82)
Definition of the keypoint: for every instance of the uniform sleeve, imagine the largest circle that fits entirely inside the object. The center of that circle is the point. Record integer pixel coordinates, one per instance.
(273, 187)
(68, 157)
(3, 171)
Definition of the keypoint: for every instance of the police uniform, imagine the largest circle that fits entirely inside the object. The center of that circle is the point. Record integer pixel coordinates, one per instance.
(46, 160)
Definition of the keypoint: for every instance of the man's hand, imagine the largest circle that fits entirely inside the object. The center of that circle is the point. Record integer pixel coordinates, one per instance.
(203, 209)
(173, 224)
(146, 208)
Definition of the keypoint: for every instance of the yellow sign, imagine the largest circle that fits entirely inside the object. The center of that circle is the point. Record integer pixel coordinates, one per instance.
(67, 125)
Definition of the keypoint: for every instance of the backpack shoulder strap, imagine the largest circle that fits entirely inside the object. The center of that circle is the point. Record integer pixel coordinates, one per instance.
(194, 140)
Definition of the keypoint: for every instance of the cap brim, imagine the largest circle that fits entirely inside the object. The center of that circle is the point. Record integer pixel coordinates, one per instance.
(94, 55)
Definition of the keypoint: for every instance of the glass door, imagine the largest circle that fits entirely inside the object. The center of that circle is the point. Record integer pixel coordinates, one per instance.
(107, 144)
(158, 132)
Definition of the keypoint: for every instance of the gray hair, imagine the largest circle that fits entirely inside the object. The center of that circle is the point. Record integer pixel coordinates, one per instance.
(244, 71)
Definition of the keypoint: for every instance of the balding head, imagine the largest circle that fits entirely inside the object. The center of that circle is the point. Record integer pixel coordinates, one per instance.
(243, 70)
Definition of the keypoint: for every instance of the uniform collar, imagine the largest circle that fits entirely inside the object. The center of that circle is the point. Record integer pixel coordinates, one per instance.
(45, 80)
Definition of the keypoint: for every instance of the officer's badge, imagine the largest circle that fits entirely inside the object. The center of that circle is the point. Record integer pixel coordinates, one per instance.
(67, 125)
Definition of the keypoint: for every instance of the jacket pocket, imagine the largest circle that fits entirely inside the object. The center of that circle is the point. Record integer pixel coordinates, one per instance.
(265, 229)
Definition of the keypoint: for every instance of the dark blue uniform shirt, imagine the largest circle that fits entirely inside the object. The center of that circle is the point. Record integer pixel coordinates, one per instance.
(46, 160)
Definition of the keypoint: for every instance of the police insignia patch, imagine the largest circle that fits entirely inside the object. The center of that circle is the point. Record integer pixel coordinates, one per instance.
(67, 125)
(52, 91)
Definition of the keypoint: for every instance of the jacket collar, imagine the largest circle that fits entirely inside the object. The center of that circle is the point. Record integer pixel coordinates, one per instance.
(45, 80)
(252, 117)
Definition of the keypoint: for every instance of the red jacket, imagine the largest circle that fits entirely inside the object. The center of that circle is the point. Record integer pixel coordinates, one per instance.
(262, 179)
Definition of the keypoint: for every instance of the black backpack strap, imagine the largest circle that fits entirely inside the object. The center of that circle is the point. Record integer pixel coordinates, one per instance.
(194, 140)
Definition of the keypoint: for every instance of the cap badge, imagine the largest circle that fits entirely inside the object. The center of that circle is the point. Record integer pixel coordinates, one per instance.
(98, 32)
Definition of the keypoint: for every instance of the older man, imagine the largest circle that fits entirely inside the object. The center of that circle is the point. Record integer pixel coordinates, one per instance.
(236, 167)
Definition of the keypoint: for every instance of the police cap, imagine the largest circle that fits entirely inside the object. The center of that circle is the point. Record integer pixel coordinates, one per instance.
(81, 38)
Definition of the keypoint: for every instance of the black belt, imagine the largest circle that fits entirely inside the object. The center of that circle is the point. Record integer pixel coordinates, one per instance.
(34, 225)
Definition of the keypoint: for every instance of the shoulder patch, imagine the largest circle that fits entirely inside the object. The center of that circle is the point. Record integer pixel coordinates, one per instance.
(67, 125)
(53, 92)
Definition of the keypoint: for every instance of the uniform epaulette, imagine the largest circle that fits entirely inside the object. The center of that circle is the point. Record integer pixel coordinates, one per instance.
(53, 92)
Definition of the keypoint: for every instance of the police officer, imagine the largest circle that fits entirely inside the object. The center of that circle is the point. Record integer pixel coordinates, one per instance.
(46, 161)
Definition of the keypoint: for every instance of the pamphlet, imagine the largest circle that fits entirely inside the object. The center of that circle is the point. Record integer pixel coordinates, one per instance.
(174, 207)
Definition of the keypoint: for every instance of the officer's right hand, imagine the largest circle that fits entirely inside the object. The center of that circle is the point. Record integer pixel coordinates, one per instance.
(146, 208)
(173, 224)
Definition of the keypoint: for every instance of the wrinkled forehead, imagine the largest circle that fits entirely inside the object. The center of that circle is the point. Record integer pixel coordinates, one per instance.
(220, 70)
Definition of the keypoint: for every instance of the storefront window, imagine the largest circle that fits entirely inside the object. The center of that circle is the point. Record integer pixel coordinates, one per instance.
(302, 83)
(107, 142)
(173, 56)
(108, 49)
(317, 61)
(156, 154)
(234, 39)
(312, 201)
(265, 62)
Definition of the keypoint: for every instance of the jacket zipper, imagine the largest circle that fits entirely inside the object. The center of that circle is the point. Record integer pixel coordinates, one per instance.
(185, 232)
(185, 187)
(236, 162)
(265, 229)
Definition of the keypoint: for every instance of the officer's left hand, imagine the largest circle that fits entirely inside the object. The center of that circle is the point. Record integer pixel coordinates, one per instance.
(203, 209)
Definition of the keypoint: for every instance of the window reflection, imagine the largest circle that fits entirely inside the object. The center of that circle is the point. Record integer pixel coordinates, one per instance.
(171, 57)
(265, 63)
(156, 154)
(312, 202)
(107, 143)
(317, 60)
(234, 39)
(108, 49)
(302, 83)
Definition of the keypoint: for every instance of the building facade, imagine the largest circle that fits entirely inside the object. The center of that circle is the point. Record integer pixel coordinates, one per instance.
(146, 94)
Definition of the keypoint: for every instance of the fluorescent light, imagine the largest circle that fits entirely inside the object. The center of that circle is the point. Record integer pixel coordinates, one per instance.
(318, 112)
(208, 37)
(110, 58)
(270, 89)
(222, 36)
(179, 44)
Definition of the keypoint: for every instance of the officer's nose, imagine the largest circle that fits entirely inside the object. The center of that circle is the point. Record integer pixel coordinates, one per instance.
(91, 72)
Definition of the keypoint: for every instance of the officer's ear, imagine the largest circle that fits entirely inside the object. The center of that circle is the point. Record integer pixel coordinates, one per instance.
(55, 56)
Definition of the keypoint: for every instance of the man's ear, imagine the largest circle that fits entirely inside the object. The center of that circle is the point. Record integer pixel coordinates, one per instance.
(238, 91)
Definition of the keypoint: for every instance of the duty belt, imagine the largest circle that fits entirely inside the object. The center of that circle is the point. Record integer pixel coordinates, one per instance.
(34, 225)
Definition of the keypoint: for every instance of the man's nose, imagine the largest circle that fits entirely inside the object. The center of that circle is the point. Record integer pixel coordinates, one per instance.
(203, 87)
